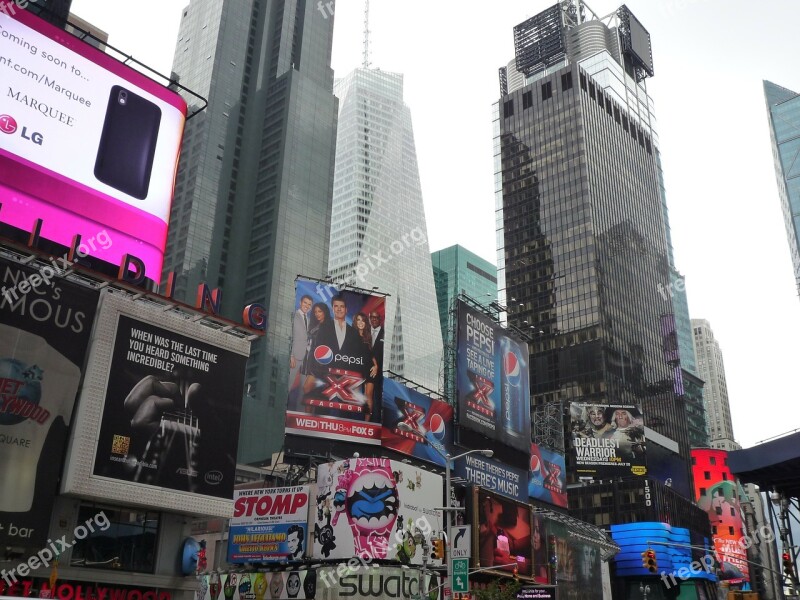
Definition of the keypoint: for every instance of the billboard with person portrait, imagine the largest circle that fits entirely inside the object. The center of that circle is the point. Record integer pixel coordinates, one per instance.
(607, 440)
(336, 364)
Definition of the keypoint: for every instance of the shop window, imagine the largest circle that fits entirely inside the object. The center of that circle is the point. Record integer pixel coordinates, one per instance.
(116, 538)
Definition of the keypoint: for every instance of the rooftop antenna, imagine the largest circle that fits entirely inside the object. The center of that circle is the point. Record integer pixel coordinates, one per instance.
(366, 34)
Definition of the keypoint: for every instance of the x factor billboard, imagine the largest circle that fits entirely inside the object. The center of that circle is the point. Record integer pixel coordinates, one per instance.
(547, 480)
(45, 328)
(492, 380)
(375, 508)
(159, 411)
(416, 424)
(336, 364)
(58, 94)
(607, 440)
(269, 525)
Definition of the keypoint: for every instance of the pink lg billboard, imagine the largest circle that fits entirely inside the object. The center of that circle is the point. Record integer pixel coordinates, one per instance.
(86, 143)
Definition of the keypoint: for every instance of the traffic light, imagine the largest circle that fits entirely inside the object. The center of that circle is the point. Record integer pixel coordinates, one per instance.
(438, 549)
(787, 564)
(649, 560)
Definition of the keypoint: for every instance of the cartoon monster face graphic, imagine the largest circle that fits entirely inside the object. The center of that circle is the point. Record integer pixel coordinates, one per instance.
(276, 585)
(293, 584)
(371, 504)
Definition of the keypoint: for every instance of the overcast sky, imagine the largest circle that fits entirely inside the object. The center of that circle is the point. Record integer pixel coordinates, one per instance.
(710, 57)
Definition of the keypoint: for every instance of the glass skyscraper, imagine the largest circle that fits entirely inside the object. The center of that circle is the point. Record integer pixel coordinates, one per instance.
(583, 244)
(253, 189)
(456, 270)
(784, 126)
(378, 236)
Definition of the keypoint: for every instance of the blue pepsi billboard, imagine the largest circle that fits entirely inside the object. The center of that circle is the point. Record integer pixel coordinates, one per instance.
(416, 424)
(492, 380)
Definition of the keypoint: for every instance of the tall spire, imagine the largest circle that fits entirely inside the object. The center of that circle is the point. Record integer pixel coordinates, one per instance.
(366, 34)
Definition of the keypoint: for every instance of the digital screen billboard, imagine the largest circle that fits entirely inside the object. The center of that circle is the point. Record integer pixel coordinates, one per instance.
(59, 94)
(547, 480)
(716, 493)
(492, 380)
(45, 328)
(158, 417)
(416, 424)
(335, 369)
(504, 531)
(375, 508)
(269, 525)
(607, 440)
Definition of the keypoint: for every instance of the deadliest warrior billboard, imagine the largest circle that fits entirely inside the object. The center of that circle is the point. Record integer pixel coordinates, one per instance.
(607, 440)
(269, 525)
(492, 380)
(57, 94)
(375, 508)
(415, 424)
(158, 417)
(336, 364)
(45, 327)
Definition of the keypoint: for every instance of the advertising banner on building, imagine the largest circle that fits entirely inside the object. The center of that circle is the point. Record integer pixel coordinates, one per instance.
(415, 424)
(492, 380)
(38, 587)
(352, 580)
(58, 94)
(547, 480)
(45, 327)
(493, 476)
(269, 525)
(336, 364)
(715, 493)
(167, 394)
(607, 440)
(376, 508)
(504, 531)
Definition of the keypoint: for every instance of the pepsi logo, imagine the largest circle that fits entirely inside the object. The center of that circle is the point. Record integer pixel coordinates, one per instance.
(511, 367)
(437, 426)
(323, 355)
(536, 465)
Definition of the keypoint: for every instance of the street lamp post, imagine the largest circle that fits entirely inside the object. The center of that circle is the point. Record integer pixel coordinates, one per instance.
(448, 507)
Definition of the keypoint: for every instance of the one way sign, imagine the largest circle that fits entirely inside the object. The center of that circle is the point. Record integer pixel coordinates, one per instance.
(462, 541)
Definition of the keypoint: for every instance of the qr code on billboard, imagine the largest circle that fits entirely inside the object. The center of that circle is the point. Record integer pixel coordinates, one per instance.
(120, 444)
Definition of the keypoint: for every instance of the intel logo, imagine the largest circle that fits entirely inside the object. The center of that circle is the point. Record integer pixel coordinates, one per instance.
(213, 477)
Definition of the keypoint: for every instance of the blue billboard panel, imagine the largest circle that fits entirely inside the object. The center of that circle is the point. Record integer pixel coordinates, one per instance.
(415, 424)
(493, 476)
(492, 380)
(547, 480)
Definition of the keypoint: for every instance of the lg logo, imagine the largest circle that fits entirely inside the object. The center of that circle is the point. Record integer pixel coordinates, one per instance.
(9, 125)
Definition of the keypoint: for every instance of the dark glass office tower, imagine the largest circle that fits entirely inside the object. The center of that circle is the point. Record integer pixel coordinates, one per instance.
(582, 234)
(54, 11)
(252, 201)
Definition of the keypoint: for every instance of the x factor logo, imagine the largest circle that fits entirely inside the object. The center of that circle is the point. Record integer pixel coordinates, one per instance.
(411, 425)
(344, 385)
(479, 399)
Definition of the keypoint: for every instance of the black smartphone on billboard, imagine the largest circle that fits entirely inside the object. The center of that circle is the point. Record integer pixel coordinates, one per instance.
(128, 143)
